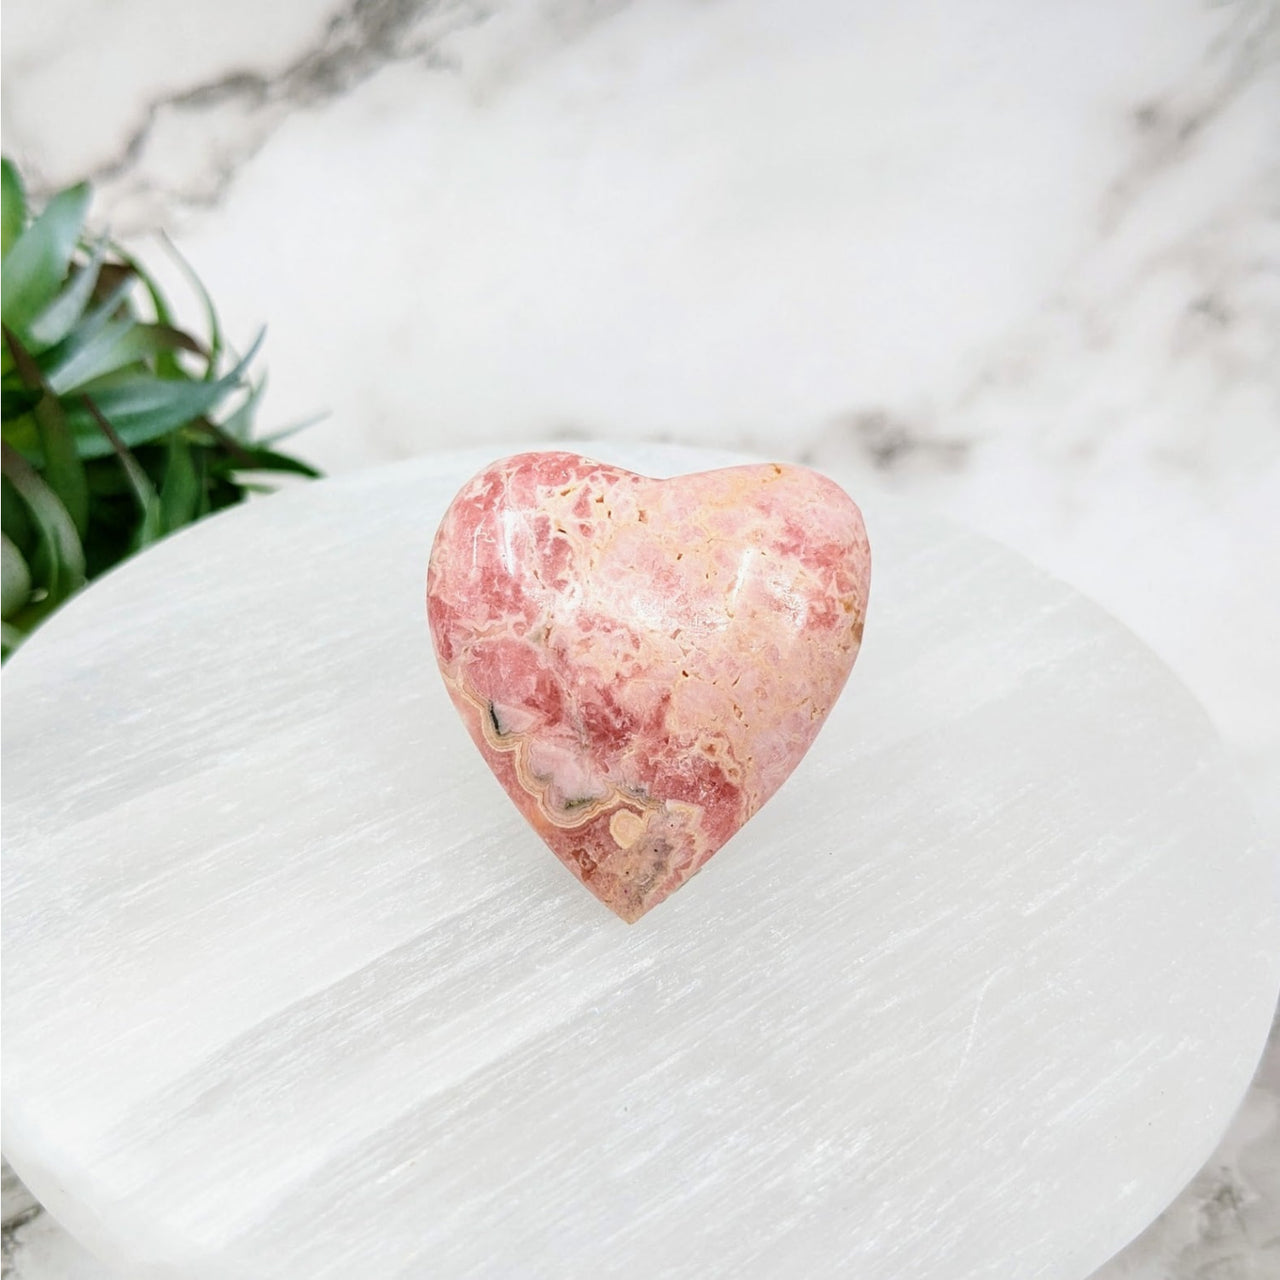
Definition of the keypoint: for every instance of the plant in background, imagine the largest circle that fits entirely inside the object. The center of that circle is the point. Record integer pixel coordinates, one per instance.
(118, 426)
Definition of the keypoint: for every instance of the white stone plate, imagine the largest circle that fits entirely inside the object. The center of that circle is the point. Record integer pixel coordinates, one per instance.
(291, 990)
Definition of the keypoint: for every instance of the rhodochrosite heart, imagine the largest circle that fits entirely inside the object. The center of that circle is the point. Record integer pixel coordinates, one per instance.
(644, 662)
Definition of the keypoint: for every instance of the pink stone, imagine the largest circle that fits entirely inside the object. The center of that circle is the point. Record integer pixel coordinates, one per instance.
(644, 662)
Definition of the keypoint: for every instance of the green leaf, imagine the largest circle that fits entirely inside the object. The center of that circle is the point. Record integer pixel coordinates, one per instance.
(182, 490)
(36, 265)
(60, 316)
(63, 469)
(177, 340)
(285, 432)
(166, 365)
(211, 314)
(62, 466)
(15, 579)
(112, 309)
(94, 322)
(117, 345)
(59, 545)
(85, 360)
(15, 401)
(204, 480)
(158, 301)
(105, 480)
(115, 278)
(223, 493)
(102, 314)
(152, 525)
(23, 434)
(239, 425)
(10, 639)
(14, 520)
(91, 325)
(143, 409)
(13, 205)
(268, 460)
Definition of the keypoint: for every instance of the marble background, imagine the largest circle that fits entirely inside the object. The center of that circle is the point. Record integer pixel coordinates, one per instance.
(1019, 262)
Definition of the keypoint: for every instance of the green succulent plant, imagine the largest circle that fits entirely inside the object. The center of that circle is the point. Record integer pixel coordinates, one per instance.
(118, 426)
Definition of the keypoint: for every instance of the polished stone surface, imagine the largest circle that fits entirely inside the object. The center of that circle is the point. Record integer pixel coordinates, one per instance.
(642, 663)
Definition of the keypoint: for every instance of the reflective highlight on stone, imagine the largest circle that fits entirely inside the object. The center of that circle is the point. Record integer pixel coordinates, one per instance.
(643, 662)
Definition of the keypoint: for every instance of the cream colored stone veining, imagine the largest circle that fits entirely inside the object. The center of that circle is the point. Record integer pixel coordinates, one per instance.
(643, 662)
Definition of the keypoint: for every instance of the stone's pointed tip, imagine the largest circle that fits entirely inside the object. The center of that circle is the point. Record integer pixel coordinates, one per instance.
(629, 915)
(643, 662)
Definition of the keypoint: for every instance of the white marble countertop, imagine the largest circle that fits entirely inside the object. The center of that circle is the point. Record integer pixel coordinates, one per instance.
(1021, 263)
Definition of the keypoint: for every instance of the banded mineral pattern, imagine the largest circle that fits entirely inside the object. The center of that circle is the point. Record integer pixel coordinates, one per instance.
(643, 662)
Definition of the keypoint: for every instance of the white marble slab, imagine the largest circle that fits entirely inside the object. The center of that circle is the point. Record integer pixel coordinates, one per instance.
(1018, 260)
(1015, 261)
(290, 990)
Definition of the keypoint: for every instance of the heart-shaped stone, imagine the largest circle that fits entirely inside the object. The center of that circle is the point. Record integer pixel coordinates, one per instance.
(643, 662)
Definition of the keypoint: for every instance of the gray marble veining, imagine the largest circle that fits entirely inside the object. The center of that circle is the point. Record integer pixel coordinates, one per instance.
(1021, 263)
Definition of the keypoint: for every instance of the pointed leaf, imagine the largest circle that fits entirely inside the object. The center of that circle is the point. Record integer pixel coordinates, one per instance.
(178, 340)
(87, 360)
(166, 365)
(181, 491)
(95, 321)
(152, 526)
(91, 325)
(13, 205)
(60, 316)
(113, 275)
(59, 545)
(144, 409)
(63, 470)
(211, 314)
(239, 425)
(159, 302)
(119, 344)
(36, 265)
(268, 460)
(285, 432)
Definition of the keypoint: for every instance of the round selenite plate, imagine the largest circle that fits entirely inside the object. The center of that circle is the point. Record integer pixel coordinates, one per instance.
(291, 990)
